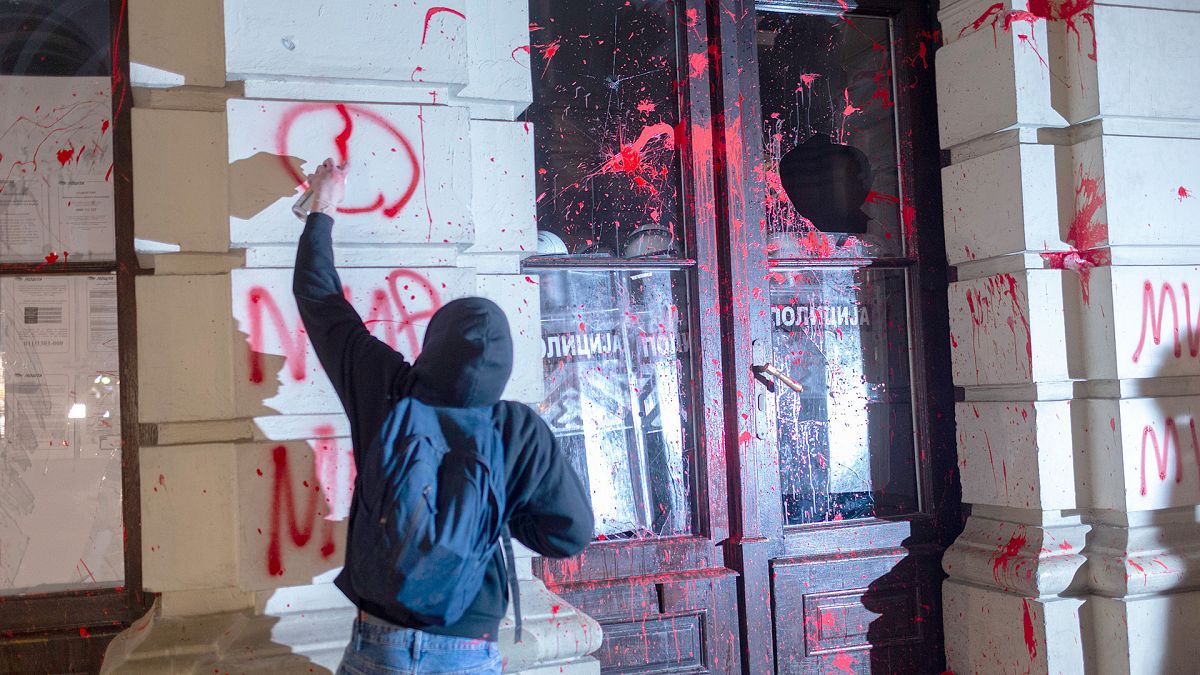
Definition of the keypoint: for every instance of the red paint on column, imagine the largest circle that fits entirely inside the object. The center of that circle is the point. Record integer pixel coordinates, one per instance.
(433, 11)
(293, 342)
(1030, 638)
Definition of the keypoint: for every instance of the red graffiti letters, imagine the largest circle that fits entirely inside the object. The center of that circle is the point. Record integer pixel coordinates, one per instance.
(300, 529)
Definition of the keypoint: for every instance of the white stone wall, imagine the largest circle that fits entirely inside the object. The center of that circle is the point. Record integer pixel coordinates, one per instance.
(247, 466)
(1071, 128)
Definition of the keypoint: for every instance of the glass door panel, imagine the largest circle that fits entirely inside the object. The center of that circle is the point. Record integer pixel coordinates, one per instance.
(616, 354)
(845, 442)
(829, 136)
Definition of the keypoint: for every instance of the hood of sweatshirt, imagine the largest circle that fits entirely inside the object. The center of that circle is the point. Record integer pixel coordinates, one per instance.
(467, 356)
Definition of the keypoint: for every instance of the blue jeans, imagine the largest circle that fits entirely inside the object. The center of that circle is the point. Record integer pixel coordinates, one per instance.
(381, 648)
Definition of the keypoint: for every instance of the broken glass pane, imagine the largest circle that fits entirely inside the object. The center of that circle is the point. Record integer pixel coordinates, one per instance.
(829, 137)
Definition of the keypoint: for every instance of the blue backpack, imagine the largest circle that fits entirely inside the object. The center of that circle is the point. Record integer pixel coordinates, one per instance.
(430, 501)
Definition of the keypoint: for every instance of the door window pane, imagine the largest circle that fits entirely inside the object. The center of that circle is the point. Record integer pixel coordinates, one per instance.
(846, 446)
(605, 109)
(618, 376)
(829, 136)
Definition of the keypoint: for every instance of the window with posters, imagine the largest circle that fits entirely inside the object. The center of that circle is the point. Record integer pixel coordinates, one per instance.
(63, 536)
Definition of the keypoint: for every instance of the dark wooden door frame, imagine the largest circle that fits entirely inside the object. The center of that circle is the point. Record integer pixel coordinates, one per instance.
(69, 631)
(757, 532)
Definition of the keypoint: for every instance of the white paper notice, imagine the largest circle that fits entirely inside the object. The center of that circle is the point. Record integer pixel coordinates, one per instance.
(56, 199)
(60, 459)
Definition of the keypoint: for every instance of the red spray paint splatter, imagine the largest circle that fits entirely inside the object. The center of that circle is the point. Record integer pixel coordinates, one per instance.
(434, 11)
(65, 155)
(1084, 236)
(629, 158)
(1008, 552)
(51, 257)
(1030, 638)
(1039, 10)
(645, 106)
(300, 532)
(697, 64)
(1184, 193)
(844, 662)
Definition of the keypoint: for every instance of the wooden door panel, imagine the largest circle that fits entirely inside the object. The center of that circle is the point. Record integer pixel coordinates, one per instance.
(681, 625)
(863, 613)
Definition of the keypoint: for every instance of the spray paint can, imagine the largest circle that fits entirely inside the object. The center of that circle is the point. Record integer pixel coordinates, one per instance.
(303, 205)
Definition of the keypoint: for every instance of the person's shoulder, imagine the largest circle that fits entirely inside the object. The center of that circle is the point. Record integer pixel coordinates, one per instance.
(514, 414)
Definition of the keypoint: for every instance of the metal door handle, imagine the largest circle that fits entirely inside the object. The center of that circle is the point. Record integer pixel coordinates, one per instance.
(781, 376)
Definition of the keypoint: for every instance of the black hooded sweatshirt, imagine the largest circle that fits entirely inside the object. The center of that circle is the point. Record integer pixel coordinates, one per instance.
(466, 360)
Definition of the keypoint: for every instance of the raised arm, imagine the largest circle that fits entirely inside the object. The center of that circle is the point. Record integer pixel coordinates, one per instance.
(364, 371)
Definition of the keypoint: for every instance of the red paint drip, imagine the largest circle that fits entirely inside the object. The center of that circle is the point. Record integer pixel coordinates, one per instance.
(629, 158)
(51, 257)
(1009, 552)
(437, 10)
(342, 138)
(1030, 639)
(104, 126)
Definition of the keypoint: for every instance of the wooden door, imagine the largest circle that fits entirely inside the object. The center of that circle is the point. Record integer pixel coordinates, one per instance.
(632, 354)
(846, 492)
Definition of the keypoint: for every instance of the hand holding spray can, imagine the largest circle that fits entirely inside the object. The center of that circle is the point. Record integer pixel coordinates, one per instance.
(332, 179)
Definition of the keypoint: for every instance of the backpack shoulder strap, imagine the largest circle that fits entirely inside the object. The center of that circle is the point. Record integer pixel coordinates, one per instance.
(514, 588)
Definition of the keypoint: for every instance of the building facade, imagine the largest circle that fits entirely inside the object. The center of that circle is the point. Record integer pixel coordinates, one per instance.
(853, 320)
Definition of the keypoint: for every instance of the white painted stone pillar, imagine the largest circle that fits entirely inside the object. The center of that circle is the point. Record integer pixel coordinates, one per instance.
(1074, 148)
(245, 460)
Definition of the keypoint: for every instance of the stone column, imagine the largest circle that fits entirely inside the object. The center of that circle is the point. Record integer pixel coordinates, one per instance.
(245, 461)
(1072, 141)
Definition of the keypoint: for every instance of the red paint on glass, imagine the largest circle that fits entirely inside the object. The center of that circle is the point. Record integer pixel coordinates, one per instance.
(1184, 193)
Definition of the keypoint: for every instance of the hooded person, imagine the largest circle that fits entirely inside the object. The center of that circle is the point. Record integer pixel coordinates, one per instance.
(465, 362)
